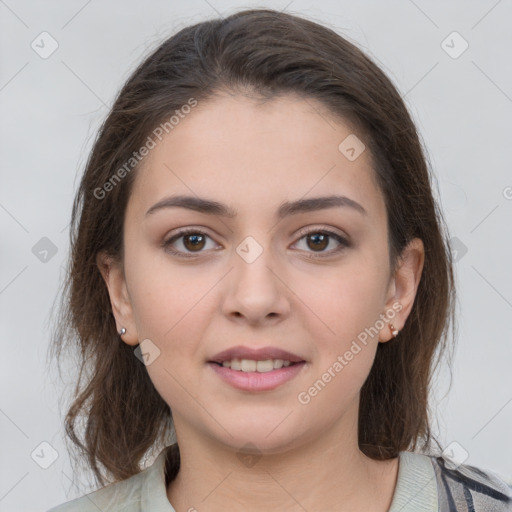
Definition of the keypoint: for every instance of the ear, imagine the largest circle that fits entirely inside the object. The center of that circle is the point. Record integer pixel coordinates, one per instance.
(403, 286)
(113, 274)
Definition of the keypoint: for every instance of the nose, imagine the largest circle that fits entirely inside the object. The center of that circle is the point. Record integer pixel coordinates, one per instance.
(256, 290)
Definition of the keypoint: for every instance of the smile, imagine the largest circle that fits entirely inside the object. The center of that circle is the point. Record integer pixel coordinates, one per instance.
(252, 375)
(251, 365)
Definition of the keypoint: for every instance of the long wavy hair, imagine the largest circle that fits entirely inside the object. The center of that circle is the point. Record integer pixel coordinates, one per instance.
(116, 417)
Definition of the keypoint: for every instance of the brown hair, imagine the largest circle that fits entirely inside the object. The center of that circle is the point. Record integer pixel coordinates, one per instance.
(267, 53)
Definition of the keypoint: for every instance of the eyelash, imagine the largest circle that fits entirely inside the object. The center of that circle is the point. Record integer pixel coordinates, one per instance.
(303, 233)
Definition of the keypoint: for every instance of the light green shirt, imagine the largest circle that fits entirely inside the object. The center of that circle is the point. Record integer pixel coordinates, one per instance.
(416, 490)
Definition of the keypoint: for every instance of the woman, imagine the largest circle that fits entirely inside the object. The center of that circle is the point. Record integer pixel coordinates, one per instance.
(261, 285)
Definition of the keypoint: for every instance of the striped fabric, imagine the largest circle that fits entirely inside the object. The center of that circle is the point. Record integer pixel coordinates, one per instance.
(468, 489)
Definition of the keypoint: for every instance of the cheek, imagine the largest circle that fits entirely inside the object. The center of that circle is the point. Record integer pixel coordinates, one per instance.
(345, 310)
(169, 301)
(172, 308)
(342, 303)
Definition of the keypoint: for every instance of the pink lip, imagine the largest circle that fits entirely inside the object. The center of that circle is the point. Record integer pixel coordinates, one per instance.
(257, 354)
(256, 381)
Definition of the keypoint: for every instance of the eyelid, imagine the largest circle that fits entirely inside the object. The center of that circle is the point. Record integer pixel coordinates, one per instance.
(343, 240)
(168, 240)
(307, 230)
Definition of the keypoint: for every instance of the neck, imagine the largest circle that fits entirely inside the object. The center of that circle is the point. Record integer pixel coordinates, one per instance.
(325, 473)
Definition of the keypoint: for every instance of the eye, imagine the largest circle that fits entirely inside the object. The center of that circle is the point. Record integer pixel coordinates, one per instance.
(319, 239)
(191, 241)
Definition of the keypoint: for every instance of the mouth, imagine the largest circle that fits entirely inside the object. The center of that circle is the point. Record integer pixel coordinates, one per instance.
(250, 369)
(246, 379)
(253, 365)
(244, 358)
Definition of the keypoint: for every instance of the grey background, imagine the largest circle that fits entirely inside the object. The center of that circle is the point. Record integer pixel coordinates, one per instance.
(50, 111)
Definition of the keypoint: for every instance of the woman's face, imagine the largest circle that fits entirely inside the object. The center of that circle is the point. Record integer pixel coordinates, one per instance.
(265, 279)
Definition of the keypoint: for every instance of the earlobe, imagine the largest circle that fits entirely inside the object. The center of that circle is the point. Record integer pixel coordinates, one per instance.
(113, 275)
(404, 286)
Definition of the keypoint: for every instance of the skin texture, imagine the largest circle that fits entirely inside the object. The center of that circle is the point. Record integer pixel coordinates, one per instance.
(253, 157)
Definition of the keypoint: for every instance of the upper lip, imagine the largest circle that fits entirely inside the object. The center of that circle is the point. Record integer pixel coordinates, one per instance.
(257, 354)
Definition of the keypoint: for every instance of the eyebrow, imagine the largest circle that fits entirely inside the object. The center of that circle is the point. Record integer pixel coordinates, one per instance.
(287, 208)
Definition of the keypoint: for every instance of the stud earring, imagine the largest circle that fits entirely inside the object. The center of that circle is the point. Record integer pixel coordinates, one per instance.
(394, 330)
(122, 331)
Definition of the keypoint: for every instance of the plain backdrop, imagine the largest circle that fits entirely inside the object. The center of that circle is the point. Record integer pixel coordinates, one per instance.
(458, 87)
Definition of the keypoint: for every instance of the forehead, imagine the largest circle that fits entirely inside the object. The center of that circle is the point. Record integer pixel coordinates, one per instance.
(249, 153)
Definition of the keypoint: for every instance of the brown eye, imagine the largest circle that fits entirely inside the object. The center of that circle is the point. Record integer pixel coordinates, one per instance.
(317, 241)
(194, 242)
(187, 243)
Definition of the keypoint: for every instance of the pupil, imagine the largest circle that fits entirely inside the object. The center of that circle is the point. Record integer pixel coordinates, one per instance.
(194, 241)
(319, 237)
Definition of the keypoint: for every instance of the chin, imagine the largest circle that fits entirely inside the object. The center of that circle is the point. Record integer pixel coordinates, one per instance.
(260, 434)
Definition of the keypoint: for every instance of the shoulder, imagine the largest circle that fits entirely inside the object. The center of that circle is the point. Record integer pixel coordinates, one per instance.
(145, 491)
(121, 496)
(429, 483)
(468, 488)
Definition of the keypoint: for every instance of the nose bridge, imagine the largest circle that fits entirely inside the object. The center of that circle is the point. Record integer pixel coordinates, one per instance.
(256, 290)
(253, 263)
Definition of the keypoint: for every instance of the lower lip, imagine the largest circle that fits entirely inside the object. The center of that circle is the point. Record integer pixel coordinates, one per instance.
(256, 381)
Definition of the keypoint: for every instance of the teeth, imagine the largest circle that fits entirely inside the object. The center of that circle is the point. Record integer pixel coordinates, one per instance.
(247, 365)
(250, 365)
(265, 366)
